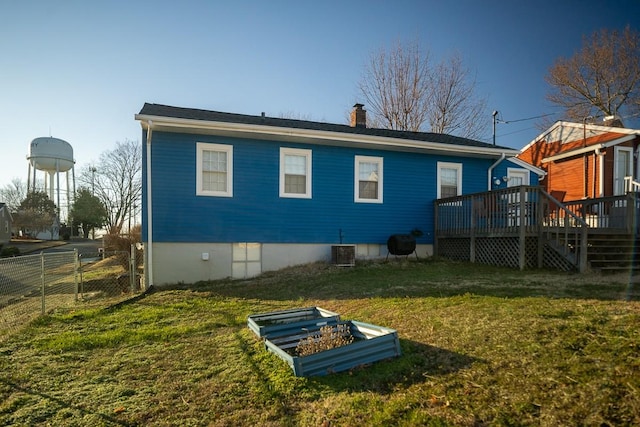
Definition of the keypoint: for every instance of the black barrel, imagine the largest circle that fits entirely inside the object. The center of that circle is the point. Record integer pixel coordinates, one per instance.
(401, 244)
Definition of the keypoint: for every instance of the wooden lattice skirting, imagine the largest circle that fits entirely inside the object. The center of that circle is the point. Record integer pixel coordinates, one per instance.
(502, 251)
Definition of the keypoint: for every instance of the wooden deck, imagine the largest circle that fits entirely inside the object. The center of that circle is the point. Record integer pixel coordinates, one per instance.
(526, 227)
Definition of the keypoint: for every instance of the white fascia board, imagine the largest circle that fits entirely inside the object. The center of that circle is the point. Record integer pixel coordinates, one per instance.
(542, 135)
(527, 166)
(588, 149)
(618, 141)
(572, 153)
(171, 124)
(590, 127)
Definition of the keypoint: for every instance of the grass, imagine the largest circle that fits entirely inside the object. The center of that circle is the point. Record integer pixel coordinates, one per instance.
(481, 346)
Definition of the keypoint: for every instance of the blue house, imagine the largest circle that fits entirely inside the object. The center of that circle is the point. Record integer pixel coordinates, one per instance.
(233, 195)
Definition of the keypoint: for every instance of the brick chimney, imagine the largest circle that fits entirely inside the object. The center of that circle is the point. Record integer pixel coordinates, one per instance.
(358, 116)
(613, 121)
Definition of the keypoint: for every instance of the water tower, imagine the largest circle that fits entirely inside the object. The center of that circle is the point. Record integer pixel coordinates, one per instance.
(52, 156)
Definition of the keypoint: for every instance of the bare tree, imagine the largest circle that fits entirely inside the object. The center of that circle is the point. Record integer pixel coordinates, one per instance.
(397, 86)
(13, 194)
(117, 181)
(404, 91)
(602, 78)
(455, 108)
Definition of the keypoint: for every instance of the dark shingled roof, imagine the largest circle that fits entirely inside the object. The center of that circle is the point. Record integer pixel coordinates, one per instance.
(217, 116)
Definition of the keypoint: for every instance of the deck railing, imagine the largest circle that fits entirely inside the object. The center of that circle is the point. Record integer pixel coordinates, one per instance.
(520, 212)
(507, 211)
(617, 214)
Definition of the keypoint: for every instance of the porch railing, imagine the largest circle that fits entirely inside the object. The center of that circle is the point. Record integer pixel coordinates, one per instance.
(630, 185)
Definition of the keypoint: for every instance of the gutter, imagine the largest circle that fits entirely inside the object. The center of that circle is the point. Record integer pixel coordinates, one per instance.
(491, 168)
(149, 266)
(171, 124)
(587, 149)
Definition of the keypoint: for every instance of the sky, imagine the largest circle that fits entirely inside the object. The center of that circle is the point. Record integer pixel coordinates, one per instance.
(80, 70)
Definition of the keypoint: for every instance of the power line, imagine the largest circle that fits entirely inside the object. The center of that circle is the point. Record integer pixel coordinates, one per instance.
(528, 118)
(516, 131)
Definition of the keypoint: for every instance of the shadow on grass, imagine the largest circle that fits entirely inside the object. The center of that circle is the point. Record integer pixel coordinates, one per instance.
(423, 278)
(62, 403)
(417, 363)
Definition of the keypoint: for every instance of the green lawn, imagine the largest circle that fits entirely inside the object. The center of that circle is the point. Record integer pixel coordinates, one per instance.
(481, 346)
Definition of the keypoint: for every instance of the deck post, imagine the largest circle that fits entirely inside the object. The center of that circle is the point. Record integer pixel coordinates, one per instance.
(582, 266)
(522, 236)
(472, 232)
(630, 217)
(436, 206)
(540, 209)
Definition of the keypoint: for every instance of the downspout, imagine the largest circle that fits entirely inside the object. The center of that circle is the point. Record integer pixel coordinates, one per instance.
(595, 170)
(636, 175)
(491, 168)
(600, 155)
(585, 172)
(149, 267)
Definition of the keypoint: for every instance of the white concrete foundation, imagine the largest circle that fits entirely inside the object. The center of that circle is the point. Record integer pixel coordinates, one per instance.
(175, 263)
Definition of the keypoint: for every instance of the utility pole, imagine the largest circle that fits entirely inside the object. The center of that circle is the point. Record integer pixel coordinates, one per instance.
(495, 114)
(93, 180)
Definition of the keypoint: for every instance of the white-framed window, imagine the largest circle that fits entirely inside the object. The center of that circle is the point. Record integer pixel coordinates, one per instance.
(517, 176)
(214, 170)
(368, 179)
(295, 173)
(622, 167)
(449, 179)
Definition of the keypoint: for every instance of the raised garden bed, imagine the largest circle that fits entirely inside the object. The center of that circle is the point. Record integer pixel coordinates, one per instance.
(287, 322)
(370, 344)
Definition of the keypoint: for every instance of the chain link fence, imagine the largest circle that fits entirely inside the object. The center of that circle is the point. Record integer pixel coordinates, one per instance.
(34, 285)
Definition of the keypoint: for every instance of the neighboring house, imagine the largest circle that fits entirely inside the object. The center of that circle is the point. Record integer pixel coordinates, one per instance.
(5, 224)
(585, 160)
(233, 195)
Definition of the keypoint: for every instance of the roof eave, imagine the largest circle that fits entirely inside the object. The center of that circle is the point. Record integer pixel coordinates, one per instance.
(172, 124)
(527, 166)
(592, 127)
(587, 149)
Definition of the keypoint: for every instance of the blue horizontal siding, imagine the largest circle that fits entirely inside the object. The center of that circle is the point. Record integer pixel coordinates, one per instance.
(256, 213)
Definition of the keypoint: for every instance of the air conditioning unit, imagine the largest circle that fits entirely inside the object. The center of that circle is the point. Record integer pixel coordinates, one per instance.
(343, 255)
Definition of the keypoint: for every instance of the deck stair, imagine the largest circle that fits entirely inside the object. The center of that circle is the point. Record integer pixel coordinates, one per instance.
(614, 253)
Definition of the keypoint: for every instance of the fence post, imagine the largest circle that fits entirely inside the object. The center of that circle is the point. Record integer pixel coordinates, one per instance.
(132, 269)
(75, 273)
(43, 280)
